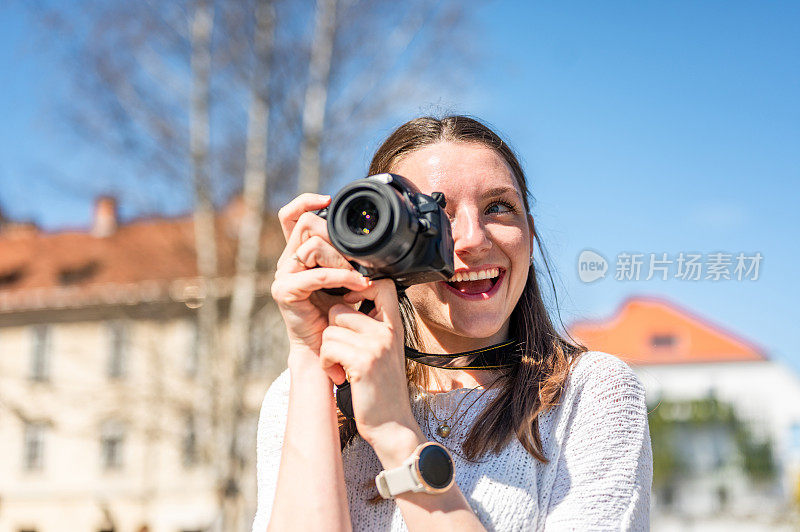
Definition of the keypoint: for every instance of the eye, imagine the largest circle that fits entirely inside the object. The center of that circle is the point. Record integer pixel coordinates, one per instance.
(500, 207)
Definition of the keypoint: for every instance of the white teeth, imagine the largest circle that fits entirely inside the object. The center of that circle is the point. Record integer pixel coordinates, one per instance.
(490, 273)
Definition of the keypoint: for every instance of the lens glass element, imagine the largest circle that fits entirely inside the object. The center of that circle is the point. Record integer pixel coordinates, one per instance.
(362, 216)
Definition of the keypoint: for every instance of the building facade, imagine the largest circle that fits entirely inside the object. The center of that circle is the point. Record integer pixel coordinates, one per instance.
(689, 366)
(103, 414)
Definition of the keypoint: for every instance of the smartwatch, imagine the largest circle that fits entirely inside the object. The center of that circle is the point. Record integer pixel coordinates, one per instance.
(429, 469)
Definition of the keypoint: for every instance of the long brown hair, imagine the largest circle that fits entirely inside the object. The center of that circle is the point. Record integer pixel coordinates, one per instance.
(537, 382)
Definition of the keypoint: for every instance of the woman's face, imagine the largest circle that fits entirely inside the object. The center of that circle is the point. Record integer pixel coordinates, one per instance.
(492, 239)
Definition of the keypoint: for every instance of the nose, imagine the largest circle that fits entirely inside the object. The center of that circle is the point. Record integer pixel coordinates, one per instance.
(469, 234)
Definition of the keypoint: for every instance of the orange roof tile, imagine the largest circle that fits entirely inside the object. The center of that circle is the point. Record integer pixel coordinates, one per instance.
(138, 253)
(649, 330)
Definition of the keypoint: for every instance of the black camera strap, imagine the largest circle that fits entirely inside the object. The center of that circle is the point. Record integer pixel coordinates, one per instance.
(502, 355)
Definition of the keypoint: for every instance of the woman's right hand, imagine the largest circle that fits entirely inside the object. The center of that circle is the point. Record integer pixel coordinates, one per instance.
(309, 263)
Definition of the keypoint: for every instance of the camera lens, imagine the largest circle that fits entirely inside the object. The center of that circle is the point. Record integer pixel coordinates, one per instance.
(362, 216)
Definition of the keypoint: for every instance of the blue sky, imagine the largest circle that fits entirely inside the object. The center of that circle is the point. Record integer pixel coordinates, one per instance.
(643, 126)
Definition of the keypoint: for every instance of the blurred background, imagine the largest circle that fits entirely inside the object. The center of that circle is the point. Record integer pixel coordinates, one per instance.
(146, 146)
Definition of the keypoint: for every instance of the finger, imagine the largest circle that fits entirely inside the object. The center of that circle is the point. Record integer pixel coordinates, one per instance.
(336, 353)
(291, 212)
(356, 300)
(344, 317)
(337, 374)
(316, 251)
(308, 225)
(344, 336)
(300, 285)
(384, 293)
(327, 361)
(353, 297)
(334, 370)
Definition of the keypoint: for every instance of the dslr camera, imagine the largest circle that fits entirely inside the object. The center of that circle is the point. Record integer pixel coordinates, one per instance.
(388, 229)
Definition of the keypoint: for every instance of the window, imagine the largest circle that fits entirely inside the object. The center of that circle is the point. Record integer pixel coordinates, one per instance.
(111, 440)
(40, 353)
(9, 278)
(117, 349)
(34, 446)
(78, 274)
(189, 443)
(663, 341)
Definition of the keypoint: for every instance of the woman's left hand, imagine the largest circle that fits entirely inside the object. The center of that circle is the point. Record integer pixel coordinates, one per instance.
(370, 349)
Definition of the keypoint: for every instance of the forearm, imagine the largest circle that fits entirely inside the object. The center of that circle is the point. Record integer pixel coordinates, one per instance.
(310, 493)
(448, 511)
(424, 511)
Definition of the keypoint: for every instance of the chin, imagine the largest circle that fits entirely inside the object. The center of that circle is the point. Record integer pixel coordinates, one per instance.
(461, 320)
(477, 328)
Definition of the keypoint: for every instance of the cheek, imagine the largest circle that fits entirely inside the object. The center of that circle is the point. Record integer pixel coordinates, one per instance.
(423, 297)
(514, 242)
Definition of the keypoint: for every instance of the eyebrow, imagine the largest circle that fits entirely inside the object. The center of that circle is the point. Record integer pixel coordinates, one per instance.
(499, 191)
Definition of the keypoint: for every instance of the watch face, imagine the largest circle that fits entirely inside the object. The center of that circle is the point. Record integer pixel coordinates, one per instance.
(435, 466)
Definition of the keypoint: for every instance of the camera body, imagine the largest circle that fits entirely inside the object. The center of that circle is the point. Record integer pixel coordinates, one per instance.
(388, 229)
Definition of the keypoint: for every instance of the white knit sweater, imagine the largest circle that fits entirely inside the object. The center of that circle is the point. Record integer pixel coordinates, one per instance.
(597, 441)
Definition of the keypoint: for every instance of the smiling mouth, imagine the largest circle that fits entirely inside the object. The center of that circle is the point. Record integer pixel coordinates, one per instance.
(475, 283)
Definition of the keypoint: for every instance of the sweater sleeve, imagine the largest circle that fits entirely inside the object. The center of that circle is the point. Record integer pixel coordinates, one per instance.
(605, 469)
(269, 439)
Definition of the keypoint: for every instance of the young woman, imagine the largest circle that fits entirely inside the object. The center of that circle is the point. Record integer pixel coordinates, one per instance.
(551, 437)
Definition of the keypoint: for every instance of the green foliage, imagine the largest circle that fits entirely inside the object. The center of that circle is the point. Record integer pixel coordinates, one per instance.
(666, 462)
(758, 460)
(668, 419)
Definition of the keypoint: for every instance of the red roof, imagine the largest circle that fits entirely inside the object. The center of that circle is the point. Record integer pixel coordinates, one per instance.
(648, 330)
(38, 265)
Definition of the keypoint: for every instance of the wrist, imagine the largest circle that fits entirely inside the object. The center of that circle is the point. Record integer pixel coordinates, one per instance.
(301, 358)
(394, 443)
(304, 365)
(429, 470)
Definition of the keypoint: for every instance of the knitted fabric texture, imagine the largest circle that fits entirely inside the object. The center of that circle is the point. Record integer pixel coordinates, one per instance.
(597, 441)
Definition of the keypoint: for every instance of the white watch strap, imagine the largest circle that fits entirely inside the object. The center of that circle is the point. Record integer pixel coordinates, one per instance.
(398, 480)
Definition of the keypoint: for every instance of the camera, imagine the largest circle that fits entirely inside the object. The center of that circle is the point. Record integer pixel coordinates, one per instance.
(388, 229)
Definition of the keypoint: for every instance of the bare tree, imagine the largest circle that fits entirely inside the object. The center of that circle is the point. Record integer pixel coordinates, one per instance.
(316, 95)
(214, 98)
(202, 24)
(383, 55)
(243, 297)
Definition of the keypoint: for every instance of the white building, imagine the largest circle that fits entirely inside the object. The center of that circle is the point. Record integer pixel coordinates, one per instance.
(681, 357)
(101, 388)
